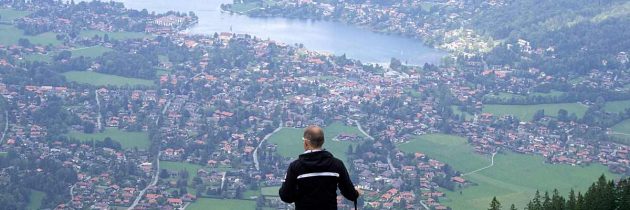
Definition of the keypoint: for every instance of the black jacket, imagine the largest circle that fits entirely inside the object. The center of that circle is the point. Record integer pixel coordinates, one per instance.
(311, 182)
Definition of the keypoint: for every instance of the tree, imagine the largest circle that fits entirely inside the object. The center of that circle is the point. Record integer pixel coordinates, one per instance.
(494, 204)
(512, 207)
(395, 64)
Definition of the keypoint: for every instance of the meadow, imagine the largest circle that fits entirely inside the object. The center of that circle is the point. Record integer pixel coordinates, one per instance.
(621, 132)
(100, 79)
(507, 96)
(290, 143)
(270, 191)
(221, 204)
(35, 200)
(526, 112)
(617, 106)
(179, 166)
(10, 35)
(513, 178)
(11, 14)
(128, 140)
(92, 52)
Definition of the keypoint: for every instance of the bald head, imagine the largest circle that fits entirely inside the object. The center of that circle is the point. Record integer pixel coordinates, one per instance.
(315, 136)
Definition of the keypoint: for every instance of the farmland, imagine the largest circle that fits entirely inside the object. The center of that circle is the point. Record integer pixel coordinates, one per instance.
(513, 177)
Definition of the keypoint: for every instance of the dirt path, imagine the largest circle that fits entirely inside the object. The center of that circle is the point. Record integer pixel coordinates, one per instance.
(481, 169)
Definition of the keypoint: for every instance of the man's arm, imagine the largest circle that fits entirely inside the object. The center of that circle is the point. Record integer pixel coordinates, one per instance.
(288, 191)
(345, 184)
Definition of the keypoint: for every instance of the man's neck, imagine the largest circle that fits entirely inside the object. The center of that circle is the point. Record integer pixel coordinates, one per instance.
(313, 150)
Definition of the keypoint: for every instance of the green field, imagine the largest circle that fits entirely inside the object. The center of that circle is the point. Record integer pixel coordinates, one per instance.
(270, 191)
(100, 79)
(526, 112)
(11, 14)
(38, 57)
(10, 35)
(442, 147)
(93, 51)
(456, 111)
(507, 96)
(622, 132)
(128, 140)
(617, 106)
(114, 35)
(513, 179)
(243, 8)
(179, 166)
(221, 204)
(35, 200)
(290, 143)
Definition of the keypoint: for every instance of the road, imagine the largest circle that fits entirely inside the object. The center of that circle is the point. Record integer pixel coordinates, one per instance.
(157, 159)
(491, 164)
(223, 180)
(99, 116)
(6, 126)
(255, 154)
(361, 129)
(153, 183)
(389, 162)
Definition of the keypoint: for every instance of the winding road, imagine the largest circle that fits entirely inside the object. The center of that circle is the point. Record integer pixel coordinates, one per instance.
(255, 154)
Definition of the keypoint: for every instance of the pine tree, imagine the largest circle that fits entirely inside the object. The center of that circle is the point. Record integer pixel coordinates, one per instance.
(536, 204)
(571, 203)
(546, 202)
(557, 201)
(512, 207)
(494, 204)
(580, 202)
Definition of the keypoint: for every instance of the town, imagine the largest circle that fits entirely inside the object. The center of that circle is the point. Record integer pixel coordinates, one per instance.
(184, 120)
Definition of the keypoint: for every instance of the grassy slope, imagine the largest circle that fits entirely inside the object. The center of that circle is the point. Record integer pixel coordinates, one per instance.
(513, 179)
(290, 144)
(128, 140)
(100, 79)
(526, 112)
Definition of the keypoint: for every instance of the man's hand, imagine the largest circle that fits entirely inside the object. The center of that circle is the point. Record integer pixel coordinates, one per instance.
(359, 191)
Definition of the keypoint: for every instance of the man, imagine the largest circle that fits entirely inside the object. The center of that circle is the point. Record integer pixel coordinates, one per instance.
(311, 180)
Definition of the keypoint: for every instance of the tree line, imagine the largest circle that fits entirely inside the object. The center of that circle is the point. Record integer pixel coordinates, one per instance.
(602, 195)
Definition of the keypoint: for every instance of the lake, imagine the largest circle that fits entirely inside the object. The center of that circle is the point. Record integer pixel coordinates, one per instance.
(325, 36)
